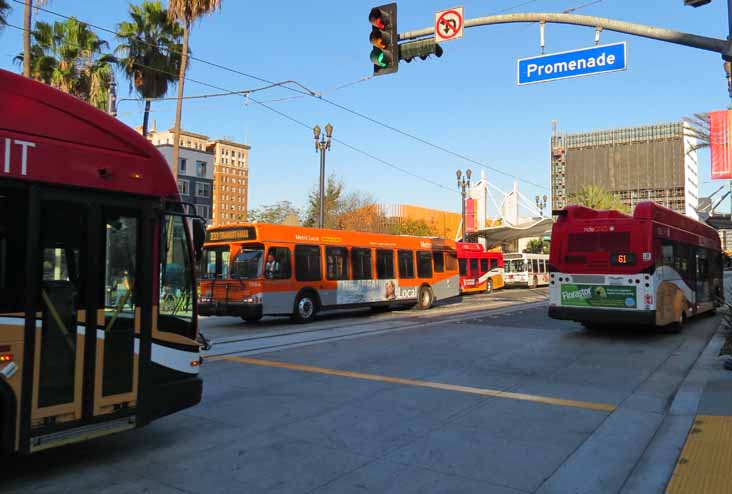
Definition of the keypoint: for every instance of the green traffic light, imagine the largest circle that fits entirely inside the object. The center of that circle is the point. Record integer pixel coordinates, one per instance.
(377, 57)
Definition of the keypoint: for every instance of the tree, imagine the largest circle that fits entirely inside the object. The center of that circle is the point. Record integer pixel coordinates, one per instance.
(279, 213)
(150, 52)
(406, 226)
(596, 197)
(69, 56)
(537, 246)
(698, 128)
(27, 33)
(333, 192)
(4, 11)
(186, 12)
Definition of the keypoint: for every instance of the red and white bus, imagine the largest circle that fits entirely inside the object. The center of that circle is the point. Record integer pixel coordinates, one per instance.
(656, 267)
(92, 232)
(480, 270)
(253, 270)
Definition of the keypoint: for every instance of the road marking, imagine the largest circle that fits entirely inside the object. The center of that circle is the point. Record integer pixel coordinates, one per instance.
(706, 458)
(605, 407)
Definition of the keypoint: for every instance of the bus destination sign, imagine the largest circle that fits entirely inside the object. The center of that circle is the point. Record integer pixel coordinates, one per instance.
(232, 234)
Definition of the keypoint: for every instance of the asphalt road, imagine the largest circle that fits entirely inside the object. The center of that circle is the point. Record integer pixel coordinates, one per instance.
(486, 395)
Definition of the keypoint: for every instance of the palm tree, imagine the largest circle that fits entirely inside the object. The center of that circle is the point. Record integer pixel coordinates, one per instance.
(150, 52)
(697, 128)
(27, 35)
(186, 12)
(69, 56)
(4, 10)
(596, 197)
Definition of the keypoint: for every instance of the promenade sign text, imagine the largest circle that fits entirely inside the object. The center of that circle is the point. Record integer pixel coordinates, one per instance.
(575, 63)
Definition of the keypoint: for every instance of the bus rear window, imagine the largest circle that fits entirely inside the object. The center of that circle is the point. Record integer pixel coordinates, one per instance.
(599, 242)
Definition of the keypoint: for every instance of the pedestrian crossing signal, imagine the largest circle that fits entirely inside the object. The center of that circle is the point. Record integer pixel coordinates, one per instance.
(385, 39)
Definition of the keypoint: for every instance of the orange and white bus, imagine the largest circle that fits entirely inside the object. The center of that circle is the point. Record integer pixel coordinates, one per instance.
(252, 270)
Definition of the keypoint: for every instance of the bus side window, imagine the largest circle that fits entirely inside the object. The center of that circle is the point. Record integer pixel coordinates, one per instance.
(494, 264)
(424, 264)
(281, 269)
(336, 263)
(463, 263)
(361, 264)
(439, 261)
(484, 266)
(384, 264)
(451, 262)
(307, 263)
(406, 264)
(473, 267)
(535, 265)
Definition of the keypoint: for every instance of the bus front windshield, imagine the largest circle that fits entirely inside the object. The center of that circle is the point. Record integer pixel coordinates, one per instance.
(515, 266)
(215, 263)
(247, 264)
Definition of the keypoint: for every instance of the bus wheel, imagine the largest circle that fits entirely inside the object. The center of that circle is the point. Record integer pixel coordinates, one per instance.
(489, 286)
(425, 298)
(305, 308)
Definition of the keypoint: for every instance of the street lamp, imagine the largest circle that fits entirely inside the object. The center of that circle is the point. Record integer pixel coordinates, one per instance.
(463, 186)
(322, 144)
(541, 204)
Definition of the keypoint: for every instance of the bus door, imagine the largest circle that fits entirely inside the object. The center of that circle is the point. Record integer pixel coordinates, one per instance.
(278, 294)
(703, 280)
(86, 319)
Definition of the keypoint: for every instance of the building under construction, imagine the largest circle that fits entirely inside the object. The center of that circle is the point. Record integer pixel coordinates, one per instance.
(652, 162)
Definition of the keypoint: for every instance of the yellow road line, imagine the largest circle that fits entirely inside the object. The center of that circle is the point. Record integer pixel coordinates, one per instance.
(704, 464)
(424, 384)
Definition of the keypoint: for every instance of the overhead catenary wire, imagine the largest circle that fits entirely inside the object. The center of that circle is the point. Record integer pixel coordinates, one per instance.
(305, 91)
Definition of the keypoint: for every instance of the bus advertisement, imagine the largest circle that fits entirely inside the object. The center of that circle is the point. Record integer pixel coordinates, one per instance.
(525, 270)
(92, 234)
(480, 271)
(656, 267)
(253, 270)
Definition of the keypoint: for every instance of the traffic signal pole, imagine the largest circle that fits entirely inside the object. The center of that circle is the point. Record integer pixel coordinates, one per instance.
(717, 45)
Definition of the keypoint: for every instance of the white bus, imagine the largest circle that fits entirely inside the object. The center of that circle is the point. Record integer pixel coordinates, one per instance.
(526, 270)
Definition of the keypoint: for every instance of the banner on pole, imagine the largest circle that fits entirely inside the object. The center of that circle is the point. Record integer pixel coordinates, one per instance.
(720, 145)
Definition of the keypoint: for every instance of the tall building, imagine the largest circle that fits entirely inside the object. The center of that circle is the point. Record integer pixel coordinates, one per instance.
(651, 162)
(226, 170)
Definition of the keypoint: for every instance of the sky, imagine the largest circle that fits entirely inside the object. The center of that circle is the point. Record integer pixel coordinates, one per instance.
(467, 101)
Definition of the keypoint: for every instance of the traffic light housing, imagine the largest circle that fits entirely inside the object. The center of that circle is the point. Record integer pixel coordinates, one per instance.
(385, 39)
(421, 48)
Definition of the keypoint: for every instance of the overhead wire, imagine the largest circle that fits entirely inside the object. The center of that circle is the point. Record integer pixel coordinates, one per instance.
(305, 91)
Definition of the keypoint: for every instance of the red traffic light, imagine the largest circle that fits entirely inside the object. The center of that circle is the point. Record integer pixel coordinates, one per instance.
(378, 18)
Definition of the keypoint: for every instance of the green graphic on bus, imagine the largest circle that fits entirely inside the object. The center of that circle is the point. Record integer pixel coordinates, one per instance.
(599, 296)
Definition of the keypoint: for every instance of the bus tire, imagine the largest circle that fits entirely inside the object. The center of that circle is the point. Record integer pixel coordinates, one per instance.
(7, 420)
(489, 286)
(425, 298)
(306, 306)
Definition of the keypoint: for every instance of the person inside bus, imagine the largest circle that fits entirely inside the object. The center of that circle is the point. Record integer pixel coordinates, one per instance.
(271, 268)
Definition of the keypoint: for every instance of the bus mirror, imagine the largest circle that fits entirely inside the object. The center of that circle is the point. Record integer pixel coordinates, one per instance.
(199, 234)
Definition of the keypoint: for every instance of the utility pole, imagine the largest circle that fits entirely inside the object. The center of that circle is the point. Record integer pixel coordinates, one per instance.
(322, 146)
(463, 186)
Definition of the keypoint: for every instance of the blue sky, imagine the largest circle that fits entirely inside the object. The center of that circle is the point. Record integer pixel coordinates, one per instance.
(467, 101)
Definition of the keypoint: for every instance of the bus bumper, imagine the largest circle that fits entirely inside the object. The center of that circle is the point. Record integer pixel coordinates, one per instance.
(172, 396)
(239, 309)
(603, 316)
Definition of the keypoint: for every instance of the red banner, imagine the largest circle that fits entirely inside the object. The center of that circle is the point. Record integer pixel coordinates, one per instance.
(470, 215)
(720, 127)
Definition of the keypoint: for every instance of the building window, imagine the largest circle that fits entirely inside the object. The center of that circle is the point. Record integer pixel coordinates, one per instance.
(203, 189)
(182, 162)
(201, 168)
(183, 187)
(203, 211)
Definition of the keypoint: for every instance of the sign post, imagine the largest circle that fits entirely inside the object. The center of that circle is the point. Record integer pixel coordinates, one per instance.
(574, 63)
(449, 24)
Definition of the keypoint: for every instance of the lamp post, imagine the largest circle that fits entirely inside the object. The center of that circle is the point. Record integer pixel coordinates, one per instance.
(463, 183)
(322, 144)
(541, 204)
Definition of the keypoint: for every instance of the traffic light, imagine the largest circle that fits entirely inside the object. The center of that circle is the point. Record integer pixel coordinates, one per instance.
(696, 3)
(422, 48)
(385, 39)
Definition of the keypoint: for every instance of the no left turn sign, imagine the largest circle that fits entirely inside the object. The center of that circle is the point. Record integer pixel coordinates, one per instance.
(449, 24)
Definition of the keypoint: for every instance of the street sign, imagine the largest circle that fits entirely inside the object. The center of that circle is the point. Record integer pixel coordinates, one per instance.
(574, 63)
(449, 24)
